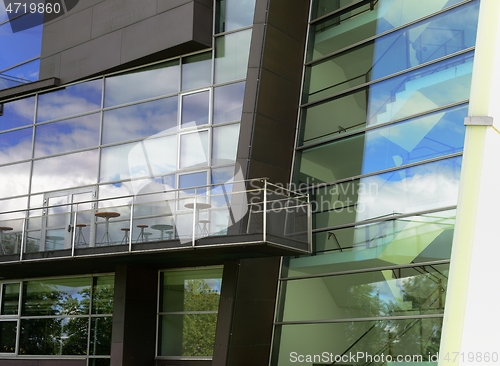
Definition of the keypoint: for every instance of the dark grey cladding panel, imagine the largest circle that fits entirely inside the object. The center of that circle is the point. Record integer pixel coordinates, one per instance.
(272, 94)
(115, 34)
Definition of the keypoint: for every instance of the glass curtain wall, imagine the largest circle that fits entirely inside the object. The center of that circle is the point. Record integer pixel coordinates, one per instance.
(59, 317)
(173, 124)
(381, 134)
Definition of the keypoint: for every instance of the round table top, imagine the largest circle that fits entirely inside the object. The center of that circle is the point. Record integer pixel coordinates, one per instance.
(81, 225)
(107, 214)
(199, 205)
(162, 227)
(204, 221)
(142, 226)
(5, 228)
(125, 229)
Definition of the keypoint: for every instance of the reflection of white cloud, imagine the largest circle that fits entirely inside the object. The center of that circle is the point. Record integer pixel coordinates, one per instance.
(67, 171)
(61, 105)
(429, 188)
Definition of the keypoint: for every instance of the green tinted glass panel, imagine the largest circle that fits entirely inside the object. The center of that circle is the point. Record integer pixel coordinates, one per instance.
(323, 7)
(10, 298)
(368, 19)
(417, 44)
(420, 188)
(56, 296)
(231, 56)
(233, 14)
(197, 71)
(417, 338)
(8, 331)
(400, 97)
(187, 334)
(100, 335)
(404, 291)
(420, 238)
(418, 139)
(197, 290)
(54, 336)
(102, 295)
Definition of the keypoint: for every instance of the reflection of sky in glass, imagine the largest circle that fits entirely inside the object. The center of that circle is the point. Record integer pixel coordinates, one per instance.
(18, 113)
(141, 120)
(195, 108)
(142, 84)
(64, 136)
(419, 188)
(424, 89)
(192, 180)
(194, 149)
(72, 100)
(67, 171)
(148, 158)
(17, 183)
(225, 143)
(15, 146)
(231, 56)
(197, 71)
(418, 139)
(228, 102)
(21, 46)
(238, 14)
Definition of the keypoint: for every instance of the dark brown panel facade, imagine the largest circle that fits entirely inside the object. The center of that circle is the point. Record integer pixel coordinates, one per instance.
(272, 92)
(117, 34)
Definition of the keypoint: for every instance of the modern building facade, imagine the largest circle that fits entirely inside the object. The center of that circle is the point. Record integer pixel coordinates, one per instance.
(248, 182)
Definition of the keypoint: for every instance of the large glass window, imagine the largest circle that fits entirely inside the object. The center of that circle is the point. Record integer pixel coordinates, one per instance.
(197, 71)
(231, 56)
(70, 101)
(154, 81)
(59, 316)
(140, 120)
(18, 113)
(422, 42)
(233, 14)
(418, 139)
(65, 136)
(415, 92)
(368, 18)
(228, 102)
(187, 316)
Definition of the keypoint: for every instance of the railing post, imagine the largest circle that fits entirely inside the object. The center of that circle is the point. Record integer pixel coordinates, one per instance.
(131, 225)
(195, 211)
(309, 223)
(264, 225)
(73, 235)
(23, 236)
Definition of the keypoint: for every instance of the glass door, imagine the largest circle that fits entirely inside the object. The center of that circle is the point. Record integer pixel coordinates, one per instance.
(68, 214)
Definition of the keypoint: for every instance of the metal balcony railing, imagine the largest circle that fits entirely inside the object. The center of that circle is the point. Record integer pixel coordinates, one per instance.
(217, 215)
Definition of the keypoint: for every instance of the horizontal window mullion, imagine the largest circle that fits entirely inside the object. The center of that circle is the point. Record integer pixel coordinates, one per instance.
(349, 320)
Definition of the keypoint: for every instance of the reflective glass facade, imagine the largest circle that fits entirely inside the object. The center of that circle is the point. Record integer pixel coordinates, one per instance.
(20, 60)
(381, 134)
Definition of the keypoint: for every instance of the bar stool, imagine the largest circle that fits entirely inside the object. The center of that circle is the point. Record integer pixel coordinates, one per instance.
(80, 238)
(141, 236)
(126, 232)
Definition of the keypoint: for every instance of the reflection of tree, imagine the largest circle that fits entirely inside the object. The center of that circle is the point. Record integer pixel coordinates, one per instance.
(422, 293)
(63, 323)
(199, 329)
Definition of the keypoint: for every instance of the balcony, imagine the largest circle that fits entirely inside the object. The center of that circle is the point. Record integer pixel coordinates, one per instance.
(159, 226)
